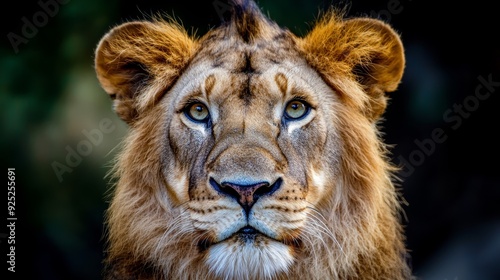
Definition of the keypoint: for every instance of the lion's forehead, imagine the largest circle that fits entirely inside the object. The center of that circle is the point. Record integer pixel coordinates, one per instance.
(234, 53)
(250, 75)
(260, 58)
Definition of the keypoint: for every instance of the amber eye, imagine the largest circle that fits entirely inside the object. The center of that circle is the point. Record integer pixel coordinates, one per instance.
(296, 109)
(197, 112)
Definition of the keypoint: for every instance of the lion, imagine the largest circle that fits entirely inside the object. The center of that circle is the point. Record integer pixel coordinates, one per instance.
(253, 153)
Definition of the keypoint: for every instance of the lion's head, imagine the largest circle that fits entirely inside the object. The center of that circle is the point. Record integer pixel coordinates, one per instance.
(253, 153)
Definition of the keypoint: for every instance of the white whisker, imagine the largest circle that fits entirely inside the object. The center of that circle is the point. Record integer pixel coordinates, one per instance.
(318, 220)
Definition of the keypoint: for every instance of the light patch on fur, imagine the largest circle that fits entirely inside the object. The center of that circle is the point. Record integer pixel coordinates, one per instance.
(177, 185)
(293, 125)
(318, 179)
(198, 127)
(245, 260)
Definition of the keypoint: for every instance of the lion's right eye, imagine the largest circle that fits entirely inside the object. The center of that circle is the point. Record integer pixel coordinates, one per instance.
(296, 109)
(197, 112)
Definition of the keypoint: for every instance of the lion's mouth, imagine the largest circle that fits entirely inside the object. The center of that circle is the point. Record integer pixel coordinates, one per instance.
(247, 230)
(247, 234)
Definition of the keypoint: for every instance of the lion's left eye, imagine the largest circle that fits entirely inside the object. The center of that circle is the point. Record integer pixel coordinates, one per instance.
(296, 109)
(197, 112)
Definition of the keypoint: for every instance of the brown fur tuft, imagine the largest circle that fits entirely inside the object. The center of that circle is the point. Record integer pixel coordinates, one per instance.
(248, 23)
(363, 49)
(133, 55)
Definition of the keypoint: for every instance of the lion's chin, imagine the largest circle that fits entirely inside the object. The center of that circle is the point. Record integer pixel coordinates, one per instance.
(249, 256)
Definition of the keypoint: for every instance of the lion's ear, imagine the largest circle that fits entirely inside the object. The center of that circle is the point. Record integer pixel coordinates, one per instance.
(137, 62)
(364, 49)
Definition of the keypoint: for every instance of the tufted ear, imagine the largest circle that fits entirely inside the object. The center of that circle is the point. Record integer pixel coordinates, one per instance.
(137, 62)
(366, 50)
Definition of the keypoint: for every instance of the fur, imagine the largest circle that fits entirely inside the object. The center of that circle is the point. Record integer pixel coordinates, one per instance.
(250, 193)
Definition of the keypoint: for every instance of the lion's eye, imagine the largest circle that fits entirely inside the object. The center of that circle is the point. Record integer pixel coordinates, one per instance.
(296, 109)
(197, 112)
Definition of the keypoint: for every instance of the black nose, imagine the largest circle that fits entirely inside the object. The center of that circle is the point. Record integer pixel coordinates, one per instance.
(246, 195)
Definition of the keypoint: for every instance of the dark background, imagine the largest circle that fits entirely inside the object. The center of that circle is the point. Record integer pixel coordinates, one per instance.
(49, 96)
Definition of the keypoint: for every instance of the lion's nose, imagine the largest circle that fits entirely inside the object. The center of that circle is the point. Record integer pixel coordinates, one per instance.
(246, 194)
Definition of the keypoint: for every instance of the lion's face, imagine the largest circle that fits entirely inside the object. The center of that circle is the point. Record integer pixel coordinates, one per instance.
(253, 153)
(249, 141)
